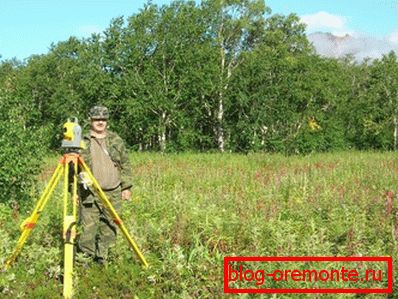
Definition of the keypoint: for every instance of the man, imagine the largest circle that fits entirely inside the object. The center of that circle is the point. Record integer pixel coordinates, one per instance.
(107, 157)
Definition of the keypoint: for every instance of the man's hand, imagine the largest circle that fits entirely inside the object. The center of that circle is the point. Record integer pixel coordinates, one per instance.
(126, 194)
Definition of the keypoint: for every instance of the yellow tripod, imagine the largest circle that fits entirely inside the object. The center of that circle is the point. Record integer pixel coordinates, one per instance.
(69, 161)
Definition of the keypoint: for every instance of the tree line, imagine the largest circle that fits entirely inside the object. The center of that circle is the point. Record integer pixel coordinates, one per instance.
(220, 75)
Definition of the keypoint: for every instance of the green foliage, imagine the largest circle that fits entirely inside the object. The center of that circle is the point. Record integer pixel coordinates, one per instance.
(381, 101)
(219, 75)
(215, 75)
(22, 149)
(188, 211)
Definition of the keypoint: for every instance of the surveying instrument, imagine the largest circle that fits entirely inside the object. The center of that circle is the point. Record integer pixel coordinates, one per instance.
(70, 164)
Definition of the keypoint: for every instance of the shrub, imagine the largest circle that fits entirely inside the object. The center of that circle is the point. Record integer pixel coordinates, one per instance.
(21, 151)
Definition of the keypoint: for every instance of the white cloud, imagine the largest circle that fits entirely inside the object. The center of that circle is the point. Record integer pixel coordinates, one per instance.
(325, 21)
(393, 37)
(331, 37)
(361, 46)
(87, 30)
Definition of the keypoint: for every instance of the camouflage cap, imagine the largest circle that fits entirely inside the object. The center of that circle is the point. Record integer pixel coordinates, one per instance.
(99, 112)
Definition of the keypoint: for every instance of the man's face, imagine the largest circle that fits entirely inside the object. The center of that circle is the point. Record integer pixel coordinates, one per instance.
(98, 125)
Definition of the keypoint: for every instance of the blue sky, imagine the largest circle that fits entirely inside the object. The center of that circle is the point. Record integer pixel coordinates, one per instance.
(30, 26)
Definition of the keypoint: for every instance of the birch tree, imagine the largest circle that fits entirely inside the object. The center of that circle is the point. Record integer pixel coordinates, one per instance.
(236, 27)
(383, 92)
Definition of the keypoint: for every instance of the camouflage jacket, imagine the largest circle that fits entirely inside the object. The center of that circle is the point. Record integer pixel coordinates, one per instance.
(118, 154)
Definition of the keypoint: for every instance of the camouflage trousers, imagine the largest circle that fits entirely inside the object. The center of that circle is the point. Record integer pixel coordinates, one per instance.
(97, 231)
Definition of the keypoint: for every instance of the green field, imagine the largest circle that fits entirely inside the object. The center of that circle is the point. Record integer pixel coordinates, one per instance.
(188, 211)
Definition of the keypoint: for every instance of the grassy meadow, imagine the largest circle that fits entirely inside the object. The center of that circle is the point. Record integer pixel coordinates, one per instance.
(188, 211)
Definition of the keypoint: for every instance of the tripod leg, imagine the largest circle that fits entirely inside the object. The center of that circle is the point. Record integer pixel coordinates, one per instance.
(30, 222)
(69, 240)
(107, 204)
(69, 233)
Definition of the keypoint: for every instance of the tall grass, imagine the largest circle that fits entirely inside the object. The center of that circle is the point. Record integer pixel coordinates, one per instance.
(188, 211)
